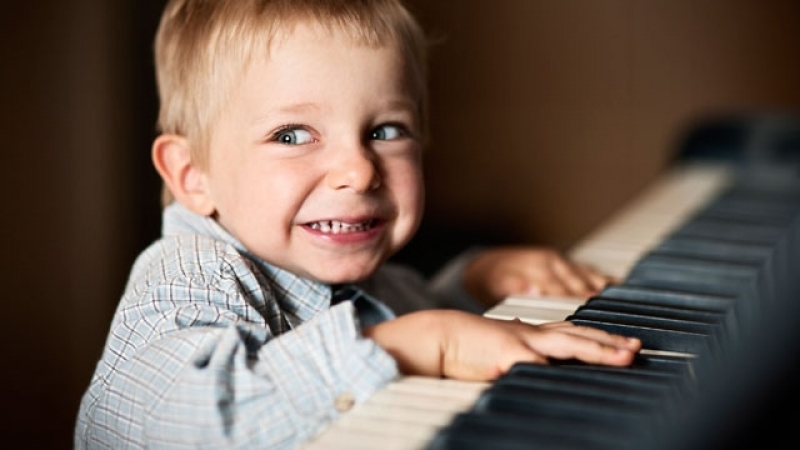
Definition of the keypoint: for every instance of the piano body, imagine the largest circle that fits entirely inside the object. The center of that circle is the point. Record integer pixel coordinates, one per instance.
(708, 256)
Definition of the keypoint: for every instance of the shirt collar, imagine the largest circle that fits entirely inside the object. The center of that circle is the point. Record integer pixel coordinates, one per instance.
(299, 298)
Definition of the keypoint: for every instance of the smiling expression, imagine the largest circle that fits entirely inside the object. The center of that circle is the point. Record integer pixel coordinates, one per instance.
(315, 161)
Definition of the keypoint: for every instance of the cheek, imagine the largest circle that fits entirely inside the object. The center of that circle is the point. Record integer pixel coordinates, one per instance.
(261, 213)
(419, 195)
(270, 194)
(408, 187)
(252, 196)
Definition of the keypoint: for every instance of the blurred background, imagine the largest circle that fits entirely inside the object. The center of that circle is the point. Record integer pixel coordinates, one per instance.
(547, 116)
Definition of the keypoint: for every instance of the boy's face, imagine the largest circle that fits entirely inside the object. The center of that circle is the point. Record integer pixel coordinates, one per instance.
(315, 162)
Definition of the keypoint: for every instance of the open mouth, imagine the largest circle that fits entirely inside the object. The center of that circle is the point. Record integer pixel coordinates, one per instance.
(339, 227)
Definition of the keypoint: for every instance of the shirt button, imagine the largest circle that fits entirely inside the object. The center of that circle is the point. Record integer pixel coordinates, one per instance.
(344, 402)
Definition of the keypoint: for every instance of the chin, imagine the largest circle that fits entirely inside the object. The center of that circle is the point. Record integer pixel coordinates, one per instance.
(344, 274)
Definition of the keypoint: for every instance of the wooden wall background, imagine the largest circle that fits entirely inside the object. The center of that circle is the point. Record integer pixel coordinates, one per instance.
(547, 116)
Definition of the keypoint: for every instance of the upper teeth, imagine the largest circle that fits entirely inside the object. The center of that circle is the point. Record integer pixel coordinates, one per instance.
(336, 226)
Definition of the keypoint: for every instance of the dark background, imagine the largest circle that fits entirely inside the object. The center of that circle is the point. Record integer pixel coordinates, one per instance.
(547, 117)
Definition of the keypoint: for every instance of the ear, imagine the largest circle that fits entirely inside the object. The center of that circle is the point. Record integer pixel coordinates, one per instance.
(172, 158)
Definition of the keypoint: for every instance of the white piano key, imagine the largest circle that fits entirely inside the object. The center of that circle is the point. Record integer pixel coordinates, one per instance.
(342, 438)
(535, 310)
(430, 385)
(614, 263)
(533, 316)
(551, 302)
(406, 414)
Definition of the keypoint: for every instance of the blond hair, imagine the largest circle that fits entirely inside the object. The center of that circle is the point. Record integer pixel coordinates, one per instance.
(203, 46)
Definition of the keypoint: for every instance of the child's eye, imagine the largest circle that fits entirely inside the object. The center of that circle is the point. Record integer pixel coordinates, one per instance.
(293, 136)
(387, 133)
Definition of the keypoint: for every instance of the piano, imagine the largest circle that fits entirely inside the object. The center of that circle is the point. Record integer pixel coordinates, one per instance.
(707, 256)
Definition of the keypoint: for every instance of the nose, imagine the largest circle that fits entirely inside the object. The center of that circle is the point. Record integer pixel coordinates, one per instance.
(354, 168)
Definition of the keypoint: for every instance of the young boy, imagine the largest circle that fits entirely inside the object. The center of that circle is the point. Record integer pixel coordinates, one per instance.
(292, 133)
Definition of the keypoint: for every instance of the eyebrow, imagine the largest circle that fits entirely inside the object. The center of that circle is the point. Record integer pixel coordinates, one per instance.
(296, 108)
(402, 104)
(394, 104)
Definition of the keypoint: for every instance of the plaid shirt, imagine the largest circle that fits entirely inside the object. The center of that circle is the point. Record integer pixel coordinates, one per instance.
(199, 353)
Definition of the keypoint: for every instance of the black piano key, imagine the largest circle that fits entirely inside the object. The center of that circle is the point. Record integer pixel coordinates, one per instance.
(713, 277)
(714, 332)
(752, 287)
(665, 367)
(681, 366)
(643, 372)
(634, 319)
(741, 232)
(628, 380)
(695, 314)
(721, 320)
(772, 260)
(766, 187)
(504, 398)
(670, 297)
(513, 418)
(751, 210)
(745, 282)
(655, 297)
(656, 336)
(786, 247)
(495, 431)
(714, 249)
(635, 395)
(763, 192)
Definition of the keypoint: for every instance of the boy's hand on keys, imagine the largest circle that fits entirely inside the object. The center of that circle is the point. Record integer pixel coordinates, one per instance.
(500, 272)
(460, 345)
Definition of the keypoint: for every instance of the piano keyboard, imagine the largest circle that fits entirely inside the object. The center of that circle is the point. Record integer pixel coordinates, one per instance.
(619, 243)
(652, 245)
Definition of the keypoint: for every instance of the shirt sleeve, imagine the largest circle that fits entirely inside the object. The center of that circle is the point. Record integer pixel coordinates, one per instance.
(448, 282)
(206, 387)
(208, 359)
(406, 290)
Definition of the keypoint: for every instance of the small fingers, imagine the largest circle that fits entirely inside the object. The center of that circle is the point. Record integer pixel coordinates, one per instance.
(515, 282)
(602, 336)
(595, 279)
(563, 340)
(571, 277)
(565, 326)
(520, 354)
(578, 279)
